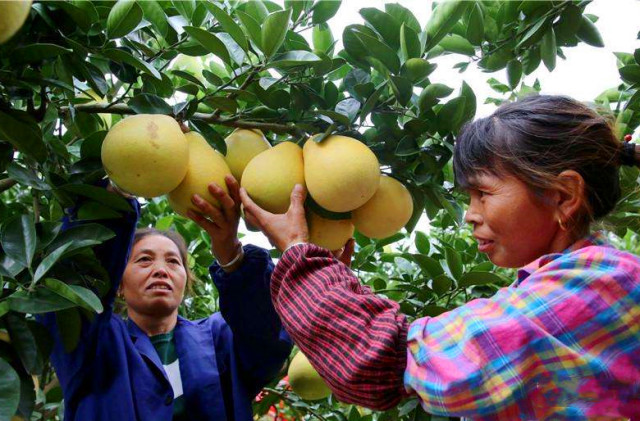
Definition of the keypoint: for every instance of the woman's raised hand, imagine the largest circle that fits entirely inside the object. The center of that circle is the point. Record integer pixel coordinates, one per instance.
(221, 224)
(282, 230)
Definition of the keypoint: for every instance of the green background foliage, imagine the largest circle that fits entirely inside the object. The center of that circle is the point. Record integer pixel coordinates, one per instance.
(77, 67)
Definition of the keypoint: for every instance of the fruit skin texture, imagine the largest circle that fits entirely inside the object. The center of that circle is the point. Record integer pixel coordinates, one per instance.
(329, 233)
(12, 17)
(146, 154)
(270, 177)
(206, 165)
(386, 212)
(305, 380)
(342, 173)
(242, 146)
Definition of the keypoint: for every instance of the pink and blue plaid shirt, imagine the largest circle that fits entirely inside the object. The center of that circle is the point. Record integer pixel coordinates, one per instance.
(561, 343)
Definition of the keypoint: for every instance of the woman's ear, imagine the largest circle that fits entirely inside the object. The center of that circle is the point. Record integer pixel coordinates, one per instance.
(571, 197)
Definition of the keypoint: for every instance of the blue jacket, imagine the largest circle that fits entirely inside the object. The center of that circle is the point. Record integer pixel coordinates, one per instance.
(115, 373)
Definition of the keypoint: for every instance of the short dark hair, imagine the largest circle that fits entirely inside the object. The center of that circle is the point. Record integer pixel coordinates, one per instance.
(538, 137)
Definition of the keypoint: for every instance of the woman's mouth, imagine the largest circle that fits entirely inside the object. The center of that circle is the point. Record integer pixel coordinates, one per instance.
(484, 245)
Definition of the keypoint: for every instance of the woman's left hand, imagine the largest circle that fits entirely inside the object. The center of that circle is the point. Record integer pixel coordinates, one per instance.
(221, 224)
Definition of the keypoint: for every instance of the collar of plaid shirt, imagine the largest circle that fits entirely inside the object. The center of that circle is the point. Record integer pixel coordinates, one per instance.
(598, 238)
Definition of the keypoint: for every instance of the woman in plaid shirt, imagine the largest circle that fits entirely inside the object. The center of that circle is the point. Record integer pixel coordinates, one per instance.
(561, 343)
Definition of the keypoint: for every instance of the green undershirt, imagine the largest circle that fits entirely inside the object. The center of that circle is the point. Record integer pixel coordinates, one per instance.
(166, 349)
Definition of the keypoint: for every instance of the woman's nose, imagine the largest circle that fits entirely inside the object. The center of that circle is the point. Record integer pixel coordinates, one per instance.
(473, 215)
(159, 271)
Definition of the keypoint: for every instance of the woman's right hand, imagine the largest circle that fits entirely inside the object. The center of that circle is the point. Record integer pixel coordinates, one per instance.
(282, 230)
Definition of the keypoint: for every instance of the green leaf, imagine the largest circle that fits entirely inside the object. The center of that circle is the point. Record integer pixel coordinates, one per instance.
(371, 101)
(475, 28)
(430, 95)
(589, 33)
(514, 73)
(38, 302)
(149, 104)
(451, 114)
(185, 7)
(454, 262)
(348, 107)
(407, 146)
(441, 284)
(251, 26)
(324, 10)
(384, 24)
(630, 73)
(121, 56)
(380, 51)
(422, 242)
(228, 24)
(480, 278)
(427, 264)
(470, 103)
(69, 326)
(37, 52)
(442, 20)
(417, 70)
(409, 43)
(322, 38)
(154, 13)
(456, 44)
(83, 13)
(99, 194)
(533, 34)
(402, 89)
(26, 177)
(81, 296)
(636, 55)
(123, 18)
(9, 390)
(22, 132)
(209, 41)
(24, 343)
(19, 240)
(548, 49)
(49, 261)
(402, 15)
(212, 136)
(274, 30)
(433, 311)
(294, 58)
(79, 236)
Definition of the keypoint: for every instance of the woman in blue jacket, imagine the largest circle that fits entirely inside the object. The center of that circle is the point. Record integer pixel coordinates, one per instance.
(156, 365)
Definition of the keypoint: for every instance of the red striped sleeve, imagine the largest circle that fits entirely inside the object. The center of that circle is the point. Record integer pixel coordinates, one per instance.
(355, 339)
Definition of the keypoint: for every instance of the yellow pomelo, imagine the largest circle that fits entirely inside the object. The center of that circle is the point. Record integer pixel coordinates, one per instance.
(206, 165)
(146, 154)
(331, 234)
(242, 146)
(270, 177)
(12, 17)
(305, 380)
(342, 173)
(386, 212)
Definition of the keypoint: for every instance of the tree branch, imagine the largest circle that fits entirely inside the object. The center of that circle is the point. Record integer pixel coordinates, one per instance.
(208, 118)
(6, 184)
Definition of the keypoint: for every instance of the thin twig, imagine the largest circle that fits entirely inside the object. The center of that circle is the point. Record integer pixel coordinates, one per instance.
(208, 118)
(6, 184)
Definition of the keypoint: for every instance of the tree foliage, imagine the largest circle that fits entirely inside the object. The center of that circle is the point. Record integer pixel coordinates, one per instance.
(77, 67)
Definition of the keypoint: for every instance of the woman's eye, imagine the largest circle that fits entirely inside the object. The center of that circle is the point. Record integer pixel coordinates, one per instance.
(174, 261)
(144, 259)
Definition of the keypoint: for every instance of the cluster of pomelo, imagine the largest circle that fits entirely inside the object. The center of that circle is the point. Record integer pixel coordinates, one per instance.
(148, 155)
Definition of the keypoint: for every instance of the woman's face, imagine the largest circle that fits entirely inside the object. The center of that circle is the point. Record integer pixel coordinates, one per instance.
(512, 224)
(155, 277)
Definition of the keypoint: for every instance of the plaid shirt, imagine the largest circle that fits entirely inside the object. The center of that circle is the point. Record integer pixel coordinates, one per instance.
(562, 343)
